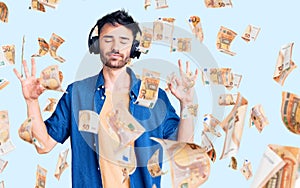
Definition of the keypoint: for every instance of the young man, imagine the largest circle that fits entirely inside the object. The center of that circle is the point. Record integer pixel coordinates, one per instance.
(91, 167)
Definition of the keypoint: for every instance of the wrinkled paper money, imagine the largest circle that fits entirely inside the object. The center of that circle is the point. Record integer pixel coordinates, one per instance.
(55, 42)
(190, 164)
(61, 164)
(3, 83)
(196, 27)
(258, 117)
(233, 124)
(246, 169)
(3, 164)
(51, 78)
(88, 121)
(218, 3)
(278, 167)
(149, 89)
(290, 111)
(6, 144)
(153, 165)
(41, 174)
(181, 45)
(250, 33)
(3, 12)
(163, 30)
(36, 5)
(221, 76)
(224, 39)
(285, 65)
(7, 55)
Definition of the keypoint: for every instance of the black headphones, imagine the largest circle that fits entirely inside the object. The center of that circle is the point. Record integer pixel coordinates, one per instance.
(93, 44)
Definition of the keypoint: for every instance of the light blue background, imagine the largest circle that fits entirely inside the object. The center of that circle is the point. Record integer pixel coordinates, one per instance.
(73, 20)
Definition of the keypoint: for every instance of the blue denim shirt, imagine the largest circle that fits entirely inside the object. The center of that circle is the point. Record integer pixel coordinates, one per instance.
(89, 94)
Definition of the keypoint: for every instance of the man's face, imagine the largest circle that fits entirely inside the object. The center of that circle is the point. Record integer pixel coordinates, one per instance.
(115, 44)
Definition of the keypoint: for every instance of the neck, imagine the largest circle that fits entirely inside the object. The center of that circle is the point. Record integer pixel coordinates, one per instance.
(116, 79)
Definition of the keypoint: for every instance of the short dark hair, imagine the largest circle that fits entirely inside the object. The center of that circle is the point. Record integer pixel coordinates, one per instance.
(119, 17)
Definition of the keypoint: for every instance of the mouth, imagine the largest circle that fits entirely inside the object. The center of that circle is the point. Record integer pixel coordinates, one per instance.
(115, 56)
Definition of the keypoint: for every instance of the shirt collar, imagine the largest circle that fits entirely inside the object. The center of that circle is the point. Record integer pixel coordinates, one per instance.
(134, 81)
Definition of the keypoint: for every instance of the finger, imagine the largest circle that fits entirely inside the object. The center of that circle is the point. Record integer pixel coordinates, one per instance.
(196, 74)
(171, 88)
(25, 68)
(180, 67)
(178, 82)
(18, 74)
(33, 68)
(187, 64)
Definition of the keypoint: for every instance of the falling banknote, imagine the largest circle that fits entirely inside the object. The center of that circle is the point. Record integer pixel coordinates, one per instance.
(218, 3)
(290, 111)
(3, 12)
(36, 5)
(61, 164)
(221, 76)
(207, 144)
(146, 40)
(6, 144)
(278, 167)
(50, 3)
(25, 132)
(149, 89)
(190, 164)
(233, 124)
(285, 65)
(163, 30)
(3, 83)
(258, 117)
(41, 174)
(3, 164)
(147, 3)
(250, 33)
(246, 169)
(196, 27)
(124, 124)
(55, 42)
(153, 165)
(50, 106)
(51, 78)
(118, 130)
(7, 55)
(233, 163)
(181, 45)
(210, 124)
(224, 40)
(159, 4)
(88, 121)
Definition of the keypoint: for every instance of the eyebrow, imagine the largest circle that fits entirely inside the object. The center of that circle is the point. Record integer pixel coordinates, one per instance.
(110, 37)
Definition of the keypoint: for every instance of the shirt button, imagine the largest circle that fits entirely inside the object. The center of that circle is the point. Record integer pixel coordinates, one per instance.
(98, 168)
(98, 88)
(132, 96)
(102, 87)
(95, 144)
(102, 97)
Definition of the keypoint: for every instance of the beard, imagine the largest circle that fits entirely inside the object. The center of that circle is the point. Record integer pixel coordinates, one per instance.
(114, 63)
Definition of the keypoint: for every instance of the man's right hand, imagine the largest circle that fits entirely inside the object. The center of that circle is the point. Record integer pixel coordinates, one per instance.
(31, 86)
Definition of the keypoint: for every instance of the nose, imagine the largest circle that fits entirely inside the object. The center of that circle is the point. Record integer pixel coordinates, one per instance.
(115, 46)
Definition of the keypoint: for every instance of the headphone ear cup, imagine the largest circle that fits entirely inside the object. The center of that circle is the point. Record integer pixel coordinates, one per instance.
(94, 45)
(134, 52)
